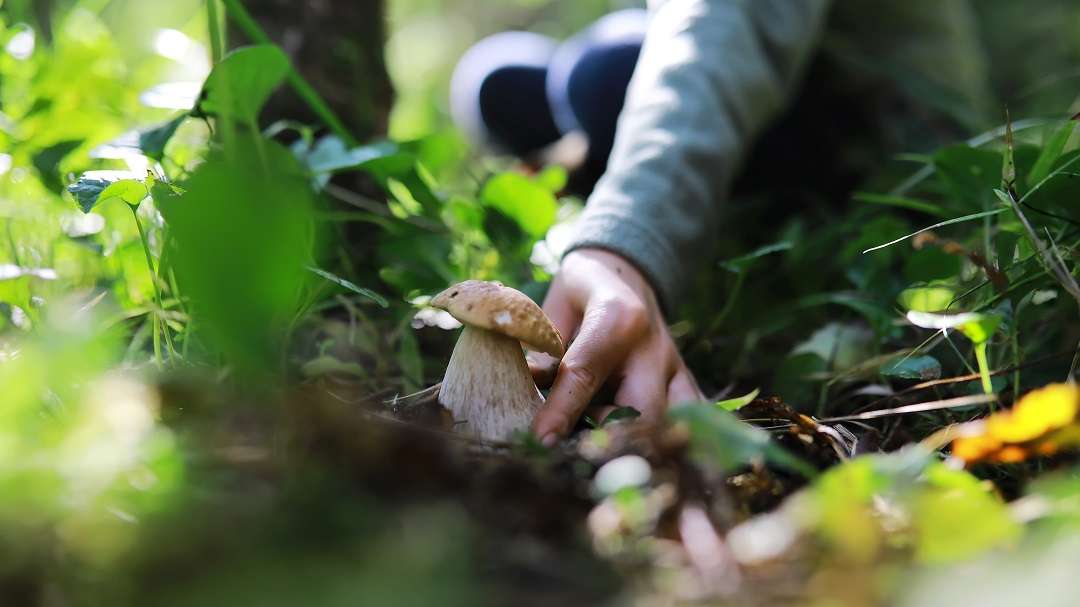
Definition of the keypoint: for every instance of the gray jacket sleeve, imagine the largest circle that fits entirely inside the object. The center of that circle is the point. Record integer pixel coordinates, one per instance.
(711, 74)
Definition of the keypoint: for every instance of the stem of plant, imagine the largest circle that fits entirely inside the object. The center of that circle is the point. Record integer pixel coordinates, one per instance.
(984, 367)
(156, 314)
(217, 31)
(236, 11)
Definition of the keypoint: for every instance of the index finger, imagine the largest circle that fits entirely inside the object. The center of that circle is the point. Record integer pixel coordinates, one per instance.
(587, 364)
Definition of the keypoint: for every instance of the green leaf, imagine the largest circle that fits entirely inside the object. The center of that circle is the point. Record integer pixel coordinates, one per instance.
(1005, 247)
(47, 162)
(955, 500)
(532, 206)
(902, 202)
(734, 404)
(341, 282)
(969, 173)
(553, 178)
(718, 438)
(1051, 151)
(980, 330)
(242, 234)
(922, 368)
(96, 187)
(931, 263)
(975, 326)
(241, 83)
(926, 299)
(330, 155)
(621, 413)
(152, 142)
(743, 262)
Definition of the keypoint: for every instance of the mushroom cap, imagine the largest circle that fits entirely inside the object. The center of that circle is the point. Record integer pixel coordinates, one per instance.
(492, 306)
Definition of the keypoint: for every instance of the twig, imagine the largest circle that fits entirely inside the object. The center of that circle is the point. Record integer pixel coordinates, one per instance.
(948, 403)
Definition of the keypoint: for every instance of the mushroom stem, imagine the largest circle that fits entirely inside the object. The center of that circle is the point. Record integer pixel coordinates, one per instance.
(488, 387)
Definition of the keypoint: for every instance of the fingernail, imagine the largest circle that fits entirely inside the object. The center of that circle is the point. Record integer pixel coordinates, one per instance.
(549, 439)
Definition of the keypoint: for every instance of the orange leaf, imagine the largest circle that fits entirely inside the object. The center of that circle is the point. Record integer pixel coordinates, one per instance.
(1042, 422)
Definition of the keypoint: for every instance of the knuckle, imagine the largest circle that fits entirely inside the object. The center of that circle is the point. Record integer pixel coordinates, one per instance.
(630, 318)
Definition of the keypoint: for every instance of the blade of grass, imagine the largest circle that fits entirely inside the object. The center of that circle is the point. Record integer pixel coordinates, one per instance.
(903, 202)
(940, 224)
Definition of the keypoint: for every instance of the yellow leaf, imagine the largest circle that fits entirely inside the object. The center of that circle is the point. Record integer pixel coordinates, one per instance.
(1041, 423)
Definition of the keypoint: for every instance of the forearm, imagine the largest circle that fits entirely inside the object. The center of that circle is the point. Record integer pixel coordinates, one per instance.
(711, 75)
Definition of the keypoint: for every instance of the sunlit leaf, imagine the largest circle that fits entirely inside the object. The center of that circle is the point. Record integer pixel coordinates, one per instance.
(976, 327)
(532, 206)
(242, 236)
(95, 187)
(955, 500)
(1018, 434)
(733, 404)
(926, 299)
(241, 83)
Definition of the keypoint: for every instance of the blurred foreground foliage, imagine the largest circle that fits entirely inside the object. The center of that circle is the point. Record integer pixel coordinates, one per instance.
(202, 314)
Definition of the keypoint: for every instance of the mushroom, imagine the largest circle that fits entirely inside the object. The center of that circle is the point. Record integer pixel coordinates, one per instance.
(487, 383)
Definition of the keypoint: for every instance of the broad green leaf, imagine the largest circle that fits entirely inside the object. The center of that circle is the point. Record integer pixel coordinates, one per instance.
(152, 142)
(931, 263)
(878, 316)
(955, 500)
(970, 173)
(922, 368)
(330, 155)
(926, 299)
(47, 162)
(131, 191)
(718, 438)
(734, 404)
(553, 178)
(1057, 191)
(532, 206)
(241, 83)
(743, 262)
(841, 345)
(341, 282)
(95, 187)
(242, 233)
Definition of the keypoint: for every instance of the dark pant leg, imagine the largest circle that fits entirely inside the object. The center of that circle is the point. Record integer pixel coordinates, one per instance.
(588, 79)
(497, 93)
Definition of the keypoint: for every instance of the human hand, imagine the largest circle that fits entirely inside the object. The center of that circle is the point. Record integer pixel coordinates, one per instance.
(609, 314)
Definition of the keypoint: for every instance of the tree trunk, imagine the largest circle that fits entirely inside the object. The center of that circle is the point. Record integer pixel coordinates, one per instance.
(338, 46)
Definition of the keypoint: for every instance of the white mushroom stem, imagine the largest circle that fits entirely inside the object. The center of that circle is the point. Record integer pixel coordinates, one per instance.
(488, 387)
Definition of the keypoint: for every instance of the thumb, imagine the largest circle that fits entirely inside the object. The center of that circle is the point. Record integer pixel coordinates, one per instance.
(543, 368)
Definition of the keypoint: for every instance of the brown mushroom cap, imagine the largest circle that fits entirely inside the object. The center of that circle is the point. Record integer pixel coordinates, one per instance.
(492, 306)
